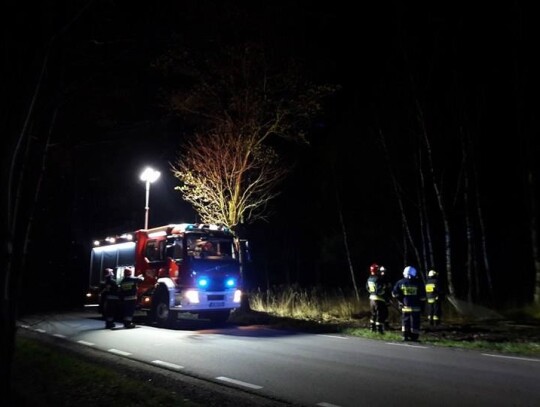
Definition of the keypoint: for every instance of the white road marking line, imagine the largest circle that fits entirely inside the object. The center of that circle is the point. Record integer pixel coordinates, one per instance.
(511, 357)
(86, 343)
(325, 404)
(238, 382)
(167, 364)
(334, 336)
(40, 330)
(119, 352)
(407, 345)
(59, 335)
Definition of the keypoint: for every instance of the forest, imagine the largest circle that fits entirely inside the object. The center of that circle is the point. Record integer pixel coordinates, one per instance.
(408, 137)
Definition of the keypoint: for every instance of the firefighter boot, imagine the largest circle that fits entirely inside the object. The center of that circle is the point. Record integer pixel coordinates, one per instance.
(129, 325)
(380, 329)
(373, 327)
(109, 325)
(414, 337)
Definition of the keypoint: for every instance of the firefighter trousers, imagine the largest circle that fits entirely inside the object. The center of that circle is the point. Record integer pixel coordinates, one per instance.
(410, 325)
(128, 308)
(379, 315)
(434, 312)
(110, 309)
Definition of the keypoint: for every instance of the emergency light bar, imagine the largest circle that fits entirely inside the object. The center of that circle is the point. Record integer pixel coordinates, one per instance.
(119, 246)
(126, 237)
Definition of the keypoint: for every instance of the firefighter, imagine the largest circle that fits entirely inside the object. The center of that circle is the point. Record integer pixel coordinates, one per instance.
(109, 294)
(376, 287)
(434, 297)
(411, 295)
(128, 294)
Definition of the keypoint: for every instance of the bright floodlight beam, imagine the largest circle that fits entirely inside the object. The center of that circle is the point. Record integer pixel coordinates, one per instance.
(149, 175)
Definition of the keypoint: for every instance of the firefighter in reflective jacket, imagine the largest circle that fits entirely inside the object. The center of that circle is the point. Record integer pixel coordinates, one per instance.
(109, 294)
(411, 294)
(376, 287)
(128, 295)
(434, 297)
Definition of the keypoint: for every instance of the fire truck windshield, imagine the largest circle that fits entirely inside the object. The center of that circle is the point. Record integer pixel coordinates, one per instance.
(209, 247)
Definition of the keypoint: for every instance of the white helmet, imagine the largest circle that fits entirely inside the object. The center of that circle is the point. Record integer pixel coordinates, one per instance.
(432, 273)
(409, 272)
(382, 269)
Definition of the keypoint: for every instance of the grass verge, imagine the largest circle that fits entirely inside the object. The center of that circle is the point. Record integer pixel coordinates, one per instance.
(316, 310)
(46, 375)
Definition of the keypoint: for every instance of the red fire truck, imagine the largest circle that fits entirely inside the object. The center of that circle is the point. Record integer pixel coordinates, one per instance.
(187, 268)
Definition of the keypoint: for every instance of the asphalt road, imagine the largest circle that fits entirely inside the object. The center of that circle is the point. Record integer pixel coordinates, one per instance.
(309, 369)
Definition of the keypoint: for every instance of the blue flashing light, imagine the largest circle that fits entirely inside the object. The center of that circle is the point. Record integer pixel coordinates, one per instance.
(202, 282)
(230, 282)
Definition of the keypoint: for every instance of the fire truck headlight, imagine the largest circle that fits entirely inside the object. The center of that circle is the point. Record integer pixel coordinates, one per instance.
(230, 282)
(237, 296)
(202, 282)
(192, 296)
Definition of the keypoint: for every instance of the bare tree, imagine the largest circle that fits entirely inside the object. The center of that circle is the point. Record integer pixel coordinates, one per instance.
(243, 105)
(228, 178)
(345, 239)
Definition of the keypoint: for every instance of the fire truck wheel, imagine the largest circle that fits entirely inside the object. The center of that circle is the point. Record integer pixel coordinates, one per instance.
(161, 311)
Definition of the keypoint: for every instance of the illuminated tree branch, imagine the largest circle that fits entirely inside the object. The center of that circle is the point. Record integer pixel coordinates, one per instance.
(231, 168)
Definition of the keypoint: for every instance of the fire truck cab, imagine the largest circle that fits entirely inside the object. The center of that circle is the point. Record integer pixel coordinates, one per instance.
(187, 268)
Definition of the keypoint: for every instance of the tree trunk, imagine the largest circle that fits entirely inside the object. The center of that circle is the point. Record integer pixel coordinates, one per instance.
(404, 220)
(346, 242)
(427, 244)
(469, 237)
(440, 202)
(483, 243)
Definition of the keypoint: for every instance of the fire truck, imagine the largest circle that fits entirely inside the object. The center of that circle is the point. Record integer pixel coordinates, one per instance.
(187, 268)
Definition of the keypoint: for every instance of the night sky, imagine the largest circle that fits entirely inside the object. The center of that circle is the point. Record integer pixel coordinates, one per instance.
(471, 70)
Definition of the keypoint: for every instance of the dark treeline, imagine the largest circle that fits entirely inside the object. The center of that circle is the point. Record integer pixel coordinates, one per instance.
(427, 152)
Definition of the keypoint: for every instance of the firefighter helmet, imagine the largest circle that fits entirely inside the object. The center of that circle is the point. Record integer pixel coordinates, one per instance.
(432, 273)
(374, 269)
(128, 271)
(382, 270)
(409, 272)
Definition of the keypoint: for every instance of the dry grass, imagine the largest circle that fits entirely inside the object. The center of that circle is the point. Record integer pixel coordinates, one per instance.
(312, 304)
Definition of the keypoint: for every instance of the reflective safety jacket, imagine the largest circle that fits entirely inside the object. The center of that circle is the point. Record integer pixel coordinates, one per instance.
(433, 290)
(411, 294)
(110, 289)
(376, 287)
(128, 287)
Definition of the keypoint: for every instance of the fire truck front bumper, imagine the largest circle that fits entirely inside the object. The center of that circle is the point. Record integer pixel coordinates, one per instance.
(197, 300)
